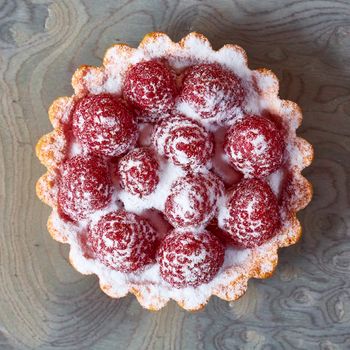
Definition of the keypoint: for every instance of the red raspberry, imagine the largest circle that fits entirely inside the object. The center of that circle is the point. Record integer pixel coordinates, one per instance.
(251, 215)
(138, 172)
(190, 259)
(255, 146)
(221, 235)
(85, 186)
(104, 125)
(184, 141)
(123, 241)
(193, 199)
(150, 87)
(212, 91)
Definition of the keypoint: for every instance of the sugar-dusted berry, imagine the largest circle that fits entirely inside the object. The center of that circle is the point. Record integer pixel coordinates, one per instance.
(122, 241)
(193, 199)
(190, 259)
(104, 125)
(211, 91)
(139, 172)
(150, 86)
(221, 235)
(255, 146)
(251, 213)
(184, 141)
(85, 186)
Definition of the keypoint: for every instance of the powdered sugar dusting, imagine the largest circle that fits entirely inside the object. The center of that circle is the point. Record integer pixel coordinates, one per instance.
(275, 181)
(122, 241)
(53, 148)
(104, 125)
(156, 200)
(95, 81)
(211, 91)
(238, 265)
(190, 258)
(139, 172)
(250, 214)
(193, 200)
(185, 142)
(255, 146)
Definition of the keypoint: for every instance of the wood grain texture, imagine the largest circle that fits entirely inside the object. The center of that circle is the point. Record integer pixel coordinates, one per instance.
(46, 304)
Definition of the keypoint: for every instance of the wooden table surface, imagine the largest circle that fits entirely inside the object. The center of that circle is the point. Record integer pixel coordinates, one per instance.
(46, 304)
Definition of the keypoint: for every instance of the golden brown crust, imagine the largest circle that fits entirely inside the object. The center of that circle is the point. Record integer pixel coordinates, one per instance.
(236, 48)
(123, 50)
(182, 42)
(274, 88)
(59, 111)
(51, 150)
(45, 189)
(87, 76)
(55, 234)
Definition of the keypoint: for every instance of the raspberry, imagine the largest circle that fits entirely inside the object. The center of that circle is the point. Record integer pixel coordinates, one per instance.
(221, 235)
(255, 146)
(211, 91)
(251, 215)
(104, 125)
(190, 259)
(150, 87)
(184, 141)
(138, 172)
(85, 186)
(193, 200)
(123, 241)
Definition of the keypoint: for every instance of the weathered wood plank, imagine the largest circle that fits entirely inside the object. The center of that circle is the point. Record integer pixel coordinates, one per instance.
(45, 304)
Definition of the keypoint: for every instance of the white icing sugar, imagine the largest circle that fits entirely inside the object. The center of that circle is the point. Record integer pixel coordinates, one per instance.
(171, 135)
(275, 181)
(266, 83)
(54, 152)
(94, 82)
(75, 149)
(112, 206)
(237, 262)
(223, 213)
(169, 173)
(259, 143)
(191, 205)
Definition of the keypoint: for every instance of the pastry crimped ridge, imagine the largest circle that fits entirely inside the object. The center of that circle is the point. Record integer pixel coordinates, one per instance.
(240, 265)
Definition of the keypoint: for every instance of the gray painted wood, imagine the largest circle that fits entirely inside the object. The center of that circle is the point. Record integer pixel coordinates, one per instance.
(45, 304)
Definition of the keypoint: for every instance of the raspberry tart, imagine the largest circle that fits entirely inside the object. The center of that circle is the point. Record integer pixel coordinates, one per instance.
(174, 171)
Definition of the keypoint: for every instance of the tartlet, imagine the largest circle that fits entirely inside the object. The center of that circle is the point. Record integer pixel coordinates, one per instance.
(229, 258)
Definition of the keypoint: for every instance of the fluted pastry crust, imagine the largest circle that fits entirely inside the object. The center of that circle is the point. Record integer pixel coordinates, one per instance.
(52, 149)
